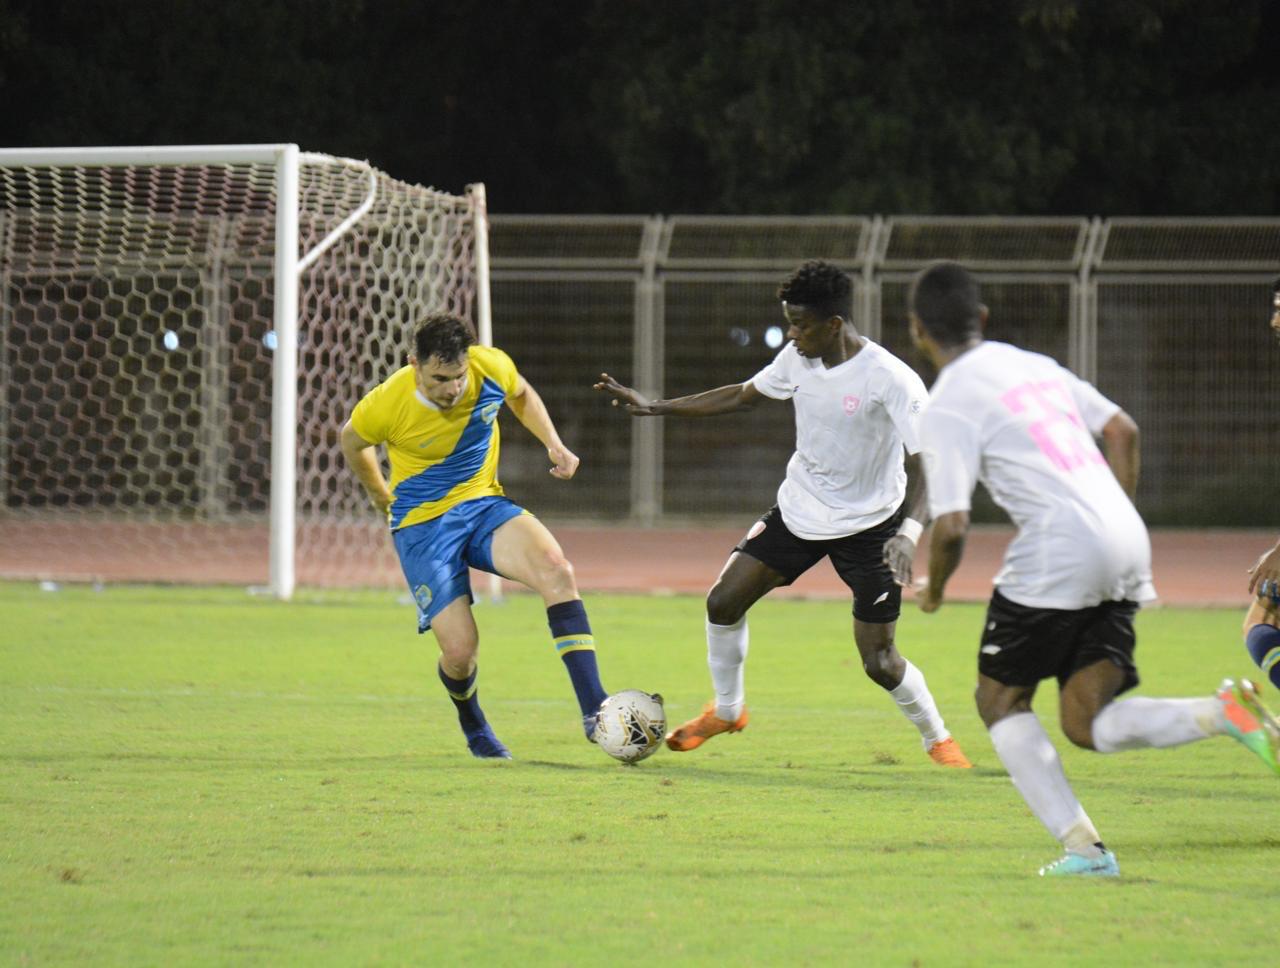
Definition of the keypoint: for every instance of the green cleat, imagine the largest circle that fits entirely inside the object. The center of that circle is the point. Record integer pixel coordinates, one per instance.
(1250, 722)
(1072, 864)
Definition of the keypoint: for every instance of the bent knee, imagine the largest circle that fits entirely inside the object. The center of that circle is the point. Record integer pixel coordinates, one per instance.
(1079, 733)
(458, 658)
(553, 572)
(723, 606)
(883, 667)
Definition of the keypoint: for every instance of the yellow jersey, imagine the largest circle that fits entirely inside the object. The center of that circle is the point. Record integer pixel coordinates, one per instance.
(439, 458)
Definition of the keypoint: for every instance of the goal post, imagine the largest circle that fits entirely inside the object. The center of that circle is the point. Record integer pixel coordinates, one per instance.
(183, 330)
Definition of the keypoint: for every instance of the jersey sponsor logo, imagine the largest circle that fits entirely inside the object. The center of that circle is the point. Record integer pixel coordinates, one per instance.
(916, 406)
(851, 404)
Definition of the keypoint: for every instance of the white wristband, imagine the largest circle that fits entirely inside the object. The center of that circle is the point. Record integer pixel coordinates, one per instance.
(910, 529)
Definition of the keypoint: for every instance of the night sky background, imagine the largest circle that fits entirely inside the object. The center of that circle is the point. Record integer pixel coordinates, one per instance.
(1112, 107)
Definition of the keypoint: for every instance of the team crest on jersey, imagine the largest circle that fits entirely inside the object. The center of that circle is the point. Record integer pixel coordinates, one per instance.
(489, 412)
(851, 404)
(916, 405)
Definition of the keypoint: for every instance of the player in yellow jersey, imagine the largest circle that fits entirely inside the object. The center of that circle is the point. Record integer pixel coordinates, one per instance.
(1262, 621)
(447, 512)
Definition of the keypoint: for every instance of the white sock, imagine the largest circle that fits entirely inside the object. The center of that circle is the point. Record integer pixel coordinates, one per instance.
(1130, 724)
(726, 654)
(1036, 770)
(916, 703)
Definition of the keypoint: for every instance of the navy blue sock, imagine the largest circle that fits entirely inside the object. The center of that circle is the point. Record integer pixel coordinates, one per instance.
(1263, 643)
(463, 694)
(577, 647)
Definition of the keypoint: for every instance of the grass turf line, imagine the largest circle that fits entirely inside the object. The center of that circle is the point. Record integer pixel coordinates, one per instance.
(191, 775)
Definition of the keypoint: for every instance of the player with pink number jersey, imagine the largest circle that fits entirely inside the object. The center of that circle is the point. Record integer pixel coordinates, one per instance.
(1075, 575)
(1024, 426)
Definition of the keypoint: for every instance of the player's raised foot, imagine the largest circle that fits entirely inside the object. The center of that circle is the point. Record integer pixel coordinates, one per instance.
(1072, 864)
(947, 752)
(1249, 721)
(697, 731)
(485, 746)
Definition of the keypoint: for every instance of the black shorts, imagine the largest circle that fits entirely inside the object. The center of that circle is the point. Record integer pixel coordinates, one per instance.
(857, 558)
(1022, 645)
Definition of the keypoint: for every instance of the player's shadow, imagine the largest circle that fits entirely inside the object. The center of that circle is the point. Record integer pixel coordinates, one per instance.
(551, 765)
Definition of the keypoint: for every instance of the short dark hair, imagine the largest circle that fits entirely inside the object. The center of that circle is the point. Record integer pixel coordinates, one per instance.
(444, 336)
(945, 297)
(820, 287)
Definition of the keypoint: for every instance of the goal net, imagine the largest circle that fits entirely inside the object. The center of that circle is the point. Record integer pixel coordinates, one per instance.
(183, 333)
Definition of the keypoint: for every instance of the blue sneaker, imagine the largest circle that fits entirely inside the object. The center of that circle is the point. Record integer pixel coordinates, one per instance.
(485, 746)
(1078, 865)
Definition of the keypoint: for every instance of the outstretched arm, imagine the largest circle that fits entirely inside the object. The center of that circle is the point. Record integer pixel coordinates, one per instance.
(709, 403)
(946, 548)
(532, 413)
(1120, 445)
(900, 550)
(362, 458)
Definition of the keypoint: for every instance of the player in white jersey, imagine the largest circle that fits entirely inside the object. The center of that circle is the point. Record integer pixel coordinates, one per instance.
(1074, 576)
(849, 494)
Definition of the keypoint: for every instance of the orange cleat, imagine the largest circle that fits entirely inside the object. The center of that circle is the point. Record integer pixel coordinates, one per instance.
(697, 731)
(947, 752)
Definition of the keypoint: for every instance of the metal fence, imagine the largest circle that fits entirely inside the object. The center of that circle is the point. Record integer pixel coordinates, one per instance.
(1167, 316)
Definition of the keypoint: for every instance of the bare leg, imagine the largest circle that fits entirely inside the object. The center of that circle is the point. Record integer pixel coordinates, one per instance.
(742, 582)
(888, 669)
(523, 549)
(459, 641)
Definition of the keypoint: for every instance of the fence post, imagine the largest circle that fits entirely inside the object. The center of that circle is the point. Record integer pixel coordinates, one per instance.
(871, 325)
(646, 435)
(1084, 316)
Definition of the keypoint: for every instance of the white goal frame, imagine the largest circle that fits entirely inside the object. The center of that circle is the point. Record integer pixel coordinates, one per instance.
(288, 267)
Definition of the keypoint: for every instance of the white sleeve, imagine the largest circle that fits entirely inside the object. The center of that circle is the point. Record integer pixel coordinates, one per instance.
(904, 398)
(1095, 409)
(774, 381)
(951, 447)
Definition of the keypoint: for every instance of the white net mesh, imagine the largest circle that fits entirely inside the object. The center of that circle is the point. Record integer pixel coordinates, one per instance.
(136, 363)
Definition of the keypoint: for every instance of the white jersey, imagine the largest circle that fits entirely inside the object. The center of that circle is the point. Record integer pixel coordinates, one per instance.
(1025, 426)
(852, 422)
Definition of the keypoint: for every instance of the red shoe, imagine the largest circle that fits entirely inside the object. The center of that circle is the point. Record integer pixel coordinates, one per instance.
(697, 731)
(947, 752)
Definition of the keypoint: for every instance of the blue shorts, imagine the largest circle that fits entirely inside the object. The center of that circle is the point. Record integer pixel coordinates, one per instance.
(435, 555)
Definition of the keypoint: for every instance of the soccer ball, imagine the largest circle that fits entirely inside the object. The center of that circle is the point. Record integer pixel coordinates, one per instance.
(630, 724)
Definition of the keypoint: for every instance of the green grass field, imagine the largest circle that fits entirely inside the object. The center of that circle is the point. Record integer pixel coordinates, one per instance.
(196, 776)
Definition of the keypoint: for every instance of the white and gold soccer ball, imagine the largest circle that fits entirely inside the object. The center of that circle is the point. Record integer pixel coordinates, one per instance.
(630, 725)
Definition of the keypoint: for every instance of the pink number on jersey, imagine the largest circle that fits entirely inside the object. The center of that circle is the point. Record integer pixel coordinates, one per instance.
(1055, 424)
